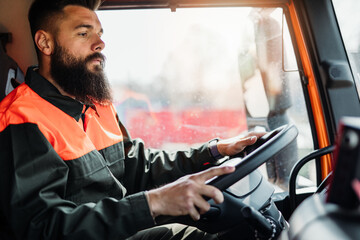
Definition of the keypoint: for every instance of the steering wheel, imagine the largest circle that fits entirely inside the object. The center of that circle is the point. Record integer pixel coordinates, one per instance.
(254, 155)
(232, 211)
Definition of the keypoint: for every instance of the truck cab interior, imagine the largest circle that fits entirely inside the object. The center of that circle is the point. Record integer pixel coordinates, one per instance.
(185, 71)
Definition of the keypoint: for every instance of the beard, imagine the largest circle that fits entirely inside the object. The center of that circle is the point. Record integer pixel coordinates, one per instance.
(75, 78)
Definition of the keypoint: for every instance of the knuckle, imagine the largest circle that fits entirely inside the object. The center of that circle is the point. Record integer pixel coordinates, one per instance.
(214, 192)
(190, 185)
(192, 178)
(206, 207)
(188, 204)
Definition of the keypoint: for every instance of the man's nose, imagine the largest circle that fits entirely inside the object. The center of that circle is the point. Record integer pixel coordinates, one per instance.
(98, 45)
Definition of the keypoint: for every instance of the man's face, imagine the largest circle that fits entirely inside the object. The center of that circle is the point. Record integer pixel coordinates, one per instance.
(77, 63)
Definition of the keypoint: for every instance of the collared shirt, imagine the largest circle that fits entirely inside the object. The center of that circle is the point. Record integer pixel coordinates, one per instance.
(51, 94)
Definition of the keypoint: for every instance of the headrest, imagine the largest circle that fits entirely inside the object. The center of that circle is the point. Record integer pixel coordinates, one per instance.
(10, 74)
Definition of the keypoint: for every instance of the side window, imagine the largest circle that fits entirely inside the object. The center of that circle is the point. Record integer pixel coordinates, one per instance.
(182, 78)
(348, 21)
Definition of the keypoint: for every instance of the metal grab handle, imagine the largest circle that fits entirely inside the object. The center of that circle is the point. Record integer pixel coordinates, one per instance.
(295, 171)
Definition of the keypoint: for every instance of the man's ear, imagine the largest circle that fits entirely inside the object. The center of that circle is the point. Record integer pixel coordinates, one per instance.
(45, 42)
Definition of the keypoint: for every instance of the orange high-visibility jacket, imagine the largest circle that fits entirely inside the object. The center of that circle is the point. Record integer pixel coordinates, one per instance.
(72, 170)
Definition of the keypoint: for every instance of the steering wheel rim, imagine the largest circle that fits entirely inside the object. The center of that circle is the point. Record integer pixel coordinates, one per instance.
(271, 143)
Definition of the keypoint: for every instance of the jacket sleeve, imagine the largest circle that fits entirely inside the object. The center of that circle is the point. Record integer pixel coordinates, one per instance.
(148, 168)
(33, 184)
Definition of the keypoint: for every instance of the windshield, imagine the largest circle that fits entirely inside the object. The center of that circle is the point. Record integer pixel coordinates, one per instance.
(347, 13)
(182, 78)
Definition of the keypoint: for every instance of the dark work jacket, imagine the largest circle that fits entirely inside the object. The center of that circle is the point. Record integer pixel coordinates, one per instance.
(69, 171)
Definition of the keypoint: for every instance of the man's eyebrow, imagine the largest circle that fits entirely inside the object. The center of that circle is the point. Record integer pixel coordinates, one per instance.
(88, 26)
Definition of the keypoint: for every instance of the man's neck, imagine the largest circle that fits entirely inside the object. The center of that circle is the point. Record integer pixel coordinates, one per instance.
(47, 76)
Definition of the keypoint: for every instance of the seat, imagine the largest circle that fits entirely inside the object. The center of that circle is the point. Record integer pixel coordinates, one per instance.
(10, 74)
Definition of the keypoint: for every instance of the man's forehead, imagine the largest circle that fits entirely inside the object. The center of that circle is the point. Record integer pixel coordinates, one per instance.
(78, 15)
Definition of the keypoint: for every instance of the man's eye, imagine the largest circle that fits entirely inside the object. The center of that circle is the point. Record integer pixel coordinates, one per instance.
(83, 34)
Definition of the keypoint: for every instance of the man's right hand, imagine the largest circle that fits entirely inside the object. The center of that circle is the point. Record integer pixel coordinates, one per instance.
(186, 195)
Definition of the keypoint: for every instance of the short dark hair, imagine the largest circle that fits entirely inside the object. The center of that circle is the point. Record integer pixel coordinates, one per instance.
(44, 13)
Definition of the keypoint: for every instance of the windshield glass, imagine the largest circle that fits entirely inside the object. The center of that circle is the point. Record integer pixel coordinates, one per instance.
(182, 78)
(347, 13)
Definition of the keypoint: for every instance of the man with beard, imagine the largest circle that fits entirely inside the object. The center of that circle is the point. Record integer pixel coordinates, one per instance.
(69, 169)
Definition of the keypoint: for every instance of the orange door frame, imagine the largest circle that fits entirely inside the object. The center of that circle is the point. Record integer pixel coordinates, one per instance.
(316, 106)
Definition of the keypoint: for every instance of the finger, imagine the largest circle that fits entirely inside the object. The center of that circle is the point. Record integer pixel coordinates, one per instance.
(212, 192)
(256, 134)
(201, 204)
(213, 172)
(240, 145)
(194, 213)
(247, 141)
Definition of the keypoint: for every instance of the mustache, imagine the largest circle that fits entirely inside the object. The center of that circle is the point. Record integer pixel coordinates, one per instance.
(95, 56)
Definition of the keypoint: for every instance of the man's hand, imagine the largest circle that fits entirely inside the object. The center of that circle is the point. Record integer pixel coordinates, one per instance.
(185, 196)
(232, 146)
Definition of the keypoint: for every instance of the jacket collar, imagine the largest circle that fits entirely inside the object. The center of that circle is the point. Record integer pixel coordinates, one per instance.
(50, 93)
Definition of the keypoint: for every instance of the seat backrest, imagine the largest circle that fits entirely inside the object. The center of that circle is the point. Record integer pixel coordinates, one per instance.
(10, 74)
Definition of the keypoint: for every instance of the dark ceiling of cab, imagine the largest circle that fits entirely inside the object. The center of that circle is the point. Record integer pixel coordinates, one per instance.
(173, 4)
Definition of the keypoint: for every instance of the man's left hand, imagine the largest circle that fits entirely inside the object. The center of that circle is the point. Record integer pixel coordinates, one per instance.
(232, 146)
